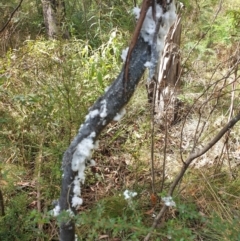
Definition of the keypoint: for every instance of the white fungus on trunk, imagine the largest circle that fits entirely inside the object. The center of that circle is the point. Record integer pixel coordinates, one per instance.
(92, 114)
(136, 12)
(103, 109)
(76, 201)
(124, 54)
(80, 158)
(148, 64)
(120, 115)
(55, 212)
(83, 152)
(148, 31)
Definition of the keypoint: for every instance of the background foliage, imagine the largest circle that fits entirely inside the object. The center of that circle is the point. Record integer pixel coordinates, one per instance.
(46, 88)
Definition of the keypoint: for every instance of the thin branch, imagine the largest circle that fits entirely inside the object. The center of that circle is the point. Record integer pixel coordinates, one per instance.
(191, 157)
(11, 16)
(152, 137)
(38, 181)
(212, 85)
(2, 213)
(164, 153)
(202, 151)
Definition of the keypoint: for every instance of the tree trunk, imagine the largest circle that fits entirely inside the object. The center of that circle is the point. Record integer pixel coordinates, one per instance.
(54, 19)
(168, 81)
(115, 98)
(105, 109)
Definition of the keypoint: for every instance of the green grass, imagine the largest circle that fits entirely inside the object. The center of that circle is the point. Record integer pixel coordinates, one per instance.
(46, 88)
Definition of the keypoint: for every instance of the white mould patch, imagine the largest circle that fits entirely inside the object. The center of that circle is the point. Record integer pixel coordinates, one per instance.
(92, 114)
(103, 109)
(93, 134)
(160, 45)
(148, 64)
(169, 201)
(119, 115)
(136, 12)
(77, 189)
(124, 54)
(96, 145)
(129, 194)
(76, 202)
(92, 163)
(55, 212)
(81, 174)
(149, 25)
(80, 157)
(83, 152)
(148, 30)
(81, 127)
(106, 89)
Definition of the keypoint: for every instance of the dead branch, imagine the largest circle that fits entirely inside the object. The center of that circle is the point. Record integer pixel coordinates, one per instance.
(211, 97)
(1, 204)
(11, 16)
(195, 154)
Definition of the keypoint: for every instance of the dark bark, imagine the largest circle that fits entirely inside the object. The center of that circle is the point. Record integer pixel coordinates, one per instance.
(54, 19)
(116, 98)
(2, 213)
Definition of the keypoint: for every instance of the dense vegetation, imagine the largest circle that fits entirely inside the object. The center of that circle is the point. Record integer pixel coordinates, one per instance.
(46, 88)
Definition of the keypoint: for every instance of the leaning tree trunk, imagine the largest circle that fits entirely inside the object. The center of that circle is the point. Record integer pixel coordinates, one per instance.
(100, 114)
(144, 51)
(54, 19)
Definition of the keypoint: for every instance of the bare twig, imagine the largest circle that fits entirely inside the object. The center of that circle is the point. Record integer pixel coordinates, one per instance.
(164, 154)
(11, 16)
(38, 182)
(85, 18)
(2, 213)
(195, 154)
(211, 97)
(231, 113)
(152, 138)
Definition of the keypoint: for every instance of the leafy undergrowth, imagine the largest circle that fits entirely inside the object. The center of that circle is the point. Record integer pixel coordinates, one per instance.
(46, 88)
(207, 201)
